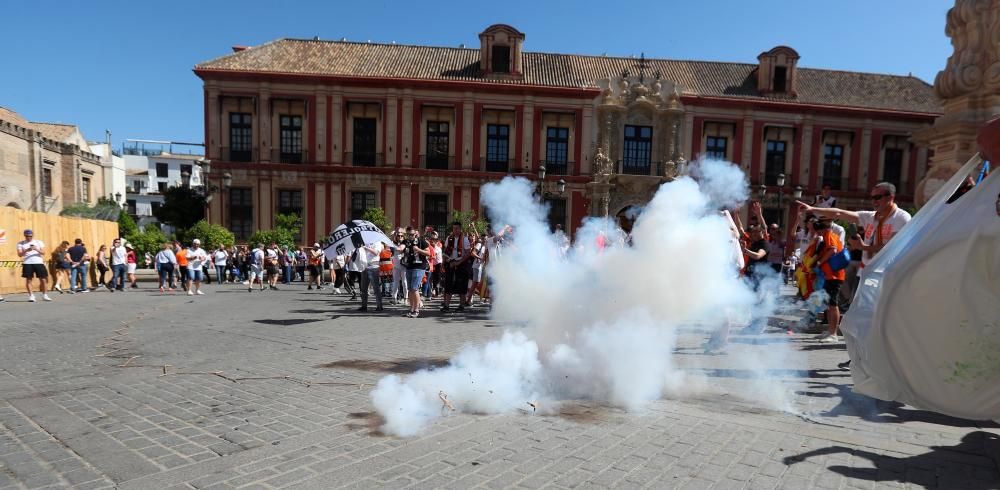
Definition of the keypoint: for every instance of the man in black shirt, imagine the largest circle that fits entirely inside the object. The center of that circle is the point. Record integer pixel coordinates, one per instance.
(415, 252)
(80, 265)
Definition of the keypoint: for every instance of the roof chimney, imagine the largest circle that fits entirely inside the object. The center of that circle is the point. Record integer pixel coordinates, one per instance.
(237, 49)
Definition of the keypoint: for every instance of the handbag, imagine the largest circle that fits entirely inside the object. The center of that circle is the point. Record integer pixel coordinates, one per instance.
(839, 260)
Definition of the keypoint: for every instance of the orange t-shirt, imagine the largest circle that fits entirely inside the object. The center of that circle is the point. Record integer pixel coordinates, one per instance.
(832, 239)
(182, 258)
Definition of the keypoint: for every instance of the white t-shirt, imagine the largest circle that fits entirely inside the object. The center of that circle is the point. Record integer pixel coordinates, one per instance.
(825, 202)
(220, 256)
(368, 259)
(257, 258)
(118, 255)
(840, 231)
(196, 256)
(775, 252)
(437, 253)
(456, 252)
(480, 250)
(31, 256)
(891, 226)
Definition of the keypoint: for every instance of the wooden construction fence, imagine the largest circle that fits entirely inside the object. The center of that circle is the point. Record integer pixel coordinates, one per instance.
(51, 230)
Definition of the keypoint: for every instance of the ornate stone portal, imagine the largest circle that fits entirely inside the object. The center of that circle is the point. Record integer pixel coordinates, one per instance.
(969, 87)
(620, 179)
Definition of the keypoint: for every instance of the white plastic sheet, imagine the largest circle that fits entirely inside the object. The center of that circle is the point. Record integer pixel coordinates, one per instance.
(924, 327)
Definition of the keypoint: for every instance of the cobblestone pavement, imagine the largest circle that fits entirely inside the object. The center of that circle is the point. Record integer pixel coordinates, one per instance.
(270, 390)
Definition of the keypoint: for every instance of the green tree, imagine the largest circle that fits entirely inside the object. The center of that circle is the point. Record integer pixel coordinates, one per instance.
(182, 207)
(378, 218)
(286, 228)
(470, 222)
(146, 241)
(126, 225)
(211, 235)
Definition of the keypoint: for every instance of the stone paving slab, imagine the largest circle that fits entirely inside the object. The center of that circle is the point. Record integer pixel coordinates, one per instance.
(271, 390)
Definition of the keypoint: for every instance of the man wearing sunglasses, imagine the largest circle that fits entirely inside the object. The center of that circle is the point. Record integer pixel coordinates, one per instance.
(878, 226)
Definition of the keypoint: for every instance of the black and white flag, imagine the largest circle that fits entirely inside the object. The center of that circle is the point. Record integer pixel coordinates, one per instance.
(354, 234)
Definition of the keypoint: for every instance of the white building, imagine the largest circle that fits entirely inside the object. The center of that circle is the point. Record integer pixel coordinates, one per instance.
(152, 167)
(114, 169)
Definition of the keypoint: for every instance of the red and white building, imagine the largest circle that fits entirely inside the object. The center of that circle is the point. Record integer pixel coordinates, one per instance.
(327, 129)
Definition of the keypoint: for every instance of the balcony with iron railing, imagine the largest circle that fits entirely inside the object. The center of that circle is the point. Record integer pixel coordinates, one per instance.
(837, 183)
(556, 167)
(500, 165)
(638, 167)
(238, 155)
(437, 161)
(288, 155)
(364, 159)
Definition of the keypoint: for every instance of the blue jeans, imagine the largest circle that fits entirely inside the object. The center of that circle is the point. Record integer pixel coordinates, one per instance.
(286, 274)
(220, 271)
(81, 272)
(414, 279)
(118, 277)
(427, 286)
(371, 277)
(166, 274)
(196, 275)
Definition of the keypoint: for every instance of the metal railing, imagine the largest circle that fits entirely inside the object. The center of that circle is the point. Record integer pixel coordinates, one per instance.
(238, 155)
(364, 159)
(439, 162)
(499, 166)
(285, 156)
(556, 167)
(631, 167)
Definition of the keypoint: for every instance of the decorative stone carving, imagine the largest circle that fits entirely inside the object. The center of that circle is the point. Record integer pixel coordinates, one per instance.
(974, 29)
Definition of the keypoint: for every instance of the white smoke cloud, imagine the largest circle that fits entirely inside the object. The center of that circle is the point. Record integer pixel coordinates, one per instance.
(601, 322)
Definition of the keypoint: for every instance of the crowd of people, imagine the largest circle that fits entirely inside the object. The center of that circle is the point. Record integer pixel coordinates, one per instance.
(417, 268)
(420, 266)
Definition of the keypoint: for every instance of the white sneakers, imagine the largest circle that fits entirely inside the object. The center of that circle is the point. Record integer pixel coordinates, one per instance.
(199, 292)
(45, 297)
(827, 338)
(31, 298)
(190, 292)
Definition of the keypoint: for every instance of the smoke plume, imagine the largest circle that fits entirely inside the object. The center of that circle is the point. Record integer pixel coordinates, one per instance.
(601, 321)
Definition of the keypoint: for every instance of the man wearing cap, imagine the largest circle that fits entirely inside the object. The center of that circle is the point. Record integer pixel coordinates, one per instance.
(33, 264)
(316, 267)
(119, 263)
(196, 257)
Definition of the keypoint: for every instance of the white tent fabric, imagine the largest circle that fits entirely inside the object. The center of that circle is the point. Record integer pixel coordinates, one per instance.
(924, 327)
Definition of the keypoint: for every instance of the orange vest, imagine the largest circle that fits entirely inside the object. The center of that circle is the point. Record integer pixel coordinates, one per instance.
(182, 259)
(385, 262)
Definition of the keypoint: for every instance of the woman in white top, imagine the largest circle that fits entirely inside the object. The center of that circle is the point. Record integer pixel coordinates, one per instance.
(166, 262)
(219, 257)
(480, 254)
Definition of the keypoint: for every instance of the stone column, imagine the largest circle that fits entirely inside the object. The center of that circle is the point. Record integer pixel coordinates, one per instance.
(264, 125)
(969, 89)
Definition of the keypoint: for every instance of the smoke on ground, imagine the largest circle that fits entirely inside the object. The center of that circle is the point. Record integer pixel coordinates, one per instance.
(600, 321)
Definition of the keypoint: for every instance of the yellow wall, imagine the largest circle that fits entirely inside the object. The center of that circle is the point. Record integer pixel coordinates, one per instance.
(49, 229)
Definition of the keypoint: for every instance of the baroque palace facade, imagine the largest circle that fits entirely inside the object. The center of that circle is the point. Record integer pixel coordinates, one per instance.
(327, 129)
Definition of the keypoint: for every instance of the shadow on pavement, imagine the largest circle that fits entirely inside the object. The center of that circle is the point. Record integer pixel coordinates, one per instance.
(966, 465)
(397, 366)
(770, 373)
(874, 410)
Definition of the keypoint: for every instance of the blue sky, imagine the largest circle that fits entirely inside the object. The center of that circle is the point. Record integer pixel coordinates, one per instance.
(126, 66)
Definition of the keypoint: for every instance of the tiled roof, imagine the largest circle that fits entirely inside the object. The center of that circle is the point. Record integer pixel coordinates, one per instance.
(14, 118)
(704, 78)
(55, 131)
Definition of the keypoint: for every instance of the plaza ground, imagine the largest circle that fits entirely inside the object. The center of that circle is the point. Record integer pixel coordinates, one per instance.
(270, 390)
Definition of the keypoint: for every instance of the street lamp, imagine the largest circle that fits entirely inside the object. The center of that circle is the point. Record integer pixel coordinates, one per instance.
(118, 197)
(797, 193)
(561, 186)
(186, 178)
(781, 180)
(227, 180)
